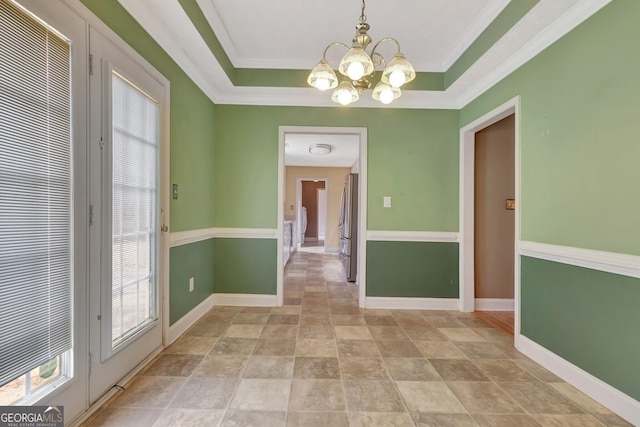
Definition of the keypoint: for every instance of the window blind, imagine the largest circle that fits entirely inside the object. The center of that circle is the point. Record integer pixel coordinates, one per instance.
(35, 194)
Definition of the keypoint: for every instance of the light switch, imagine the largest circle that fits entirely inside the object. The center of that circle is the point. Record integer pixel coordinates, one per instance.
(386, 201)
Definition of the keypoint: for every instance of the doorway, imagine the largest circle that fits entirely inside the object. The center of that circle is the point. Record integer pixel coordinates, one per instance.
(472, 264)
(312, 213)
(289, 191)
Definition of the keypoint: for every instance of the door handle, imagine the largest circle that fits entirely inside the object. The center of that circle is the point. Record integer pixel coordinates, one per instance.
(164, 228)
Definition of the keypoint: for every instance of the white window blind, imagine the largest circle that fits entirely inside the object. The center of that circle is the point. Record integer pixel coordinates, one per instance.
(35, 194)
(134, 186)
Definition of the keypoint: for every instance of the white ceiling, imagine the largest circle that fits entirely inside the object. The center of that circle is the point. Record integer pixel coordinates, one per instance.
(293, 33)
(344, 149)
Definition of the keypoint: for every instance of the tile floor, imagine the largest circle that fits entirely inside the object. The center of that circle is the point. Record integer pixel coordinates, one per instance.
(321, 361)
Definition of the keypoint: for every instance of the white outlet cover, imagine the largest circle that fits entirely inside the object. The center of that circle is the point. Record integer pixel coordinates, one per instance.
(191, 284)
(386, 201)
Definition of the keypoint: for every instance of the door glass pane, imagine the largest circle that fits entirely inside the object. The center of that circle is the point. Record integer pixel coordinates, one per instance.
(134, 189)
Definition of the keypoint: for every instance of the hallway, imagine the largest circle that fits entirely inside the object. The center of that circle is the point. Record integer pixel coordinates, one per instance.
(321, 361)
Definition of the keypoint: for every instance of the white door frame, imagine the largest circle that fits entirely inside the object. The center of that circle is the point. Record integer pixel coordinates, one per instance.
(362, 201)
(322, 209)
(467, 214)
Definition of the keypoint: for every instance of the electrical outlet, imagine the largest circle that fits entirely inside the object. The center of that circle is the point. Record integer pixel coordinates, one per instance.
(191, 284)
(386, 201)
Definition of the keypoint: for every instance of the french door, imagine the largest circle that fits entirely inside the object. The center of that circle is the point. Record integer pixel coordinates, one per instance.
(125, 310)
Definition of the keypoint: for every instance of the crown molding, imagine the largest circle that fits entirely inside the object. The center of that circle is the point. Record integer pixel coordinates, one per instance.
(173, 31)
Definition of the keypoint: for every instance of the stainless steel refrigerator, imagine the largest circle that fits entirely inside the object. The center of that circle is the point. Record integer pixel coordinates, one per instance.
(348, 225)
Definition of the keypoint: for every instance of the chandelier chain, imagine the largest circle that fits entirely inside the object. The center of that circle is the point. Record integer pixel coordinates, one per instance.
(363, 17)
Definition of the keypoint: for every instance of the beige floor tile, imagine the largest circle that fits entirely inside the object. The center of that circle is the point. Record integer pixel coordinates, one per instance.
(149, 392)
(439, 350)
(372, 396)
(446, 322)
(381, 419)
(612, 420)
(221, 366)
(174, 365)
(234, 346)
(317, 368)
(390, 333)
(317, 395)
(363, 368)
(461, 335)
(429, 396)
(375, 312)
(540, 398)
(424, 333)
(245, 318)
(207, 330)
(458, 370)
(192, 345)
(504, 371)
(538, 371)
(411, 369)
(380, 321)
(279, 332)
(315, 332)
(273, 347)
(576, 396)
(357, 348)
(506, 420)
(484, 398)
(190, 417)
(283, 319)
(262, 395)
(316, 348)
(315, 319)
(205, 393)
(475, 323)
(286, 309)
(347, 320)
(398, 349)
(124, 417)
(318, 419)
(243, 331)
(567, 421)
(269, 367)
(315, 309)
(254, 419)
(493, 335)
(480, 350)
(423, 419)
(352, 333)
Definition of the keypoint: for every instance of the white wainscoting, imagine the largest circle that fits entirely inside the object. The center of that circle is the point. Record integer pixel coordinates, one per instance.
(188, 320)
(411, 236)
(185, 237)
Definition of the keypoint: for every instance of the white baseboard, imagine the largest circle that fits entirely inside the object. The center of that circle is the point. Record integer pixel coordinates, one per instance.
(393, 303)
(494, 304)
(246, 300)
(620, 403)
(189, 319)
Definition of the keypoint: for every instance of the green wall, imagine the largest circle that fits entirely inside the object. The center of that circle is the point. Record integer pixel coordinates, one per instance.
(579, 134)
(245, 266)
(412, 156)
(412, 269)
(585, 316)
(186, 261)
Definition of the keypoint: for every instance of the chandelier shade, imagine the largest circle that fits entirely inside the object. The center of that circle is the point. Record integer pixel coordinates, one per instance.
(323, 77)
(360, 67)
(398, 71)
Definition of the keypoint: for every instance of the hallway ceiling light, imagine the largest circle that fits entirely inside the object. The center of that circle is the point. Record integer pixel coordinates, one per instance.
(360, 68)
(320, 149)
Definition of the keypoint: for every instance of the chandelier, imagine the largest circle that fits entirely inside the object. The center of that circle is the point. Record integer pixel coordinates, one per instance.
(360, 68)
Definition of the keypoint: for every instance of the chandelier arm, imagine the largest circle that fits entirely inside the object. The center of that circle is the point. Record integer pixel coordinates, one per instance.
(363, 17)
(324, 54)
(380, 60)
(384, 40)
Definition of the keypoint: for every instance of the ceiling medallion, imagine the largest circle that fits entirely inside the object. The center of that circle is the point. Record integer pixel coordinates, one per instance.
(360, 67)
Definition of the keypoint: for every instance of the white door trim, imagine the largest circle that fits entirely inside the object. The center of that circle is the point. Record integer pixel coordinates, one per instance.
(467, 214)
(362, 200)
